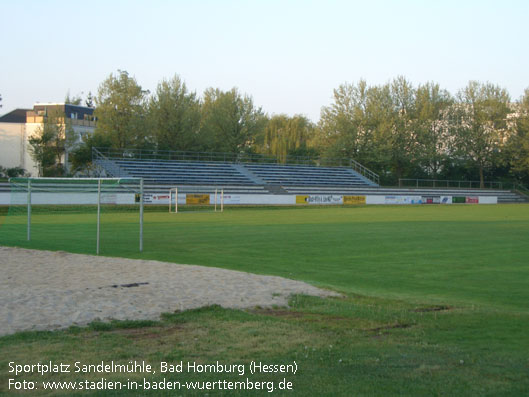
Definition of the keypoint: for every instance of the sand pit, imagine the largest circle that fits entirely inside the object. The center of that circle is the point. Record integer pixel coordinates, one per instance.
(45, 290)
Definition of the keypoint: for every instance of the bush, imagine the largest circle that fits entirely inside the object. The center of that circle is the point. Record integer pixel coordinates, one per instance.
(12, 172)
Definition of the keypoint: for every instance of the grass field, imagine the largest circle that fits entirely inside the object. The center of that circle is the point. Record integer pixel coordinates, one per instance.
(435, 297)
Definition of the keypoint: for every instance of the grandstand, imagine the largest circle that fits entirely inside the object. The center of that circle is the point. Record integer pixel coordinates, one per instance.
(236, 174)
(246, 176)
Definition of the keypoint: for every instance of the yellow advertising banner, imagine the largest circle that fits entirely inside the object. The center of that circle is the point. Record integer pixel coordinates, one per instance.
(302, 199)
(197, 199)
(348, 200)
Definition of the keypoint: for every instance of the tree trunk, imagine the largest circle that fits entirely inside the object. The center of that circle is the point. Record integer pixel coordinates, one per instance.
(481, 178)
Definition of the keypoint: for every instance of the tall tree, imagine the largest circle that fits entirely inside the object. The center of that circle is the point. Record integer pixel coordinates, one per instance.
(73, 100)
(174, 115)
(399, 143)
(431, 128)
(284, 136)
(344, 128)
(89, 101)
(230, 121)
(121, 109)
(519, 141)
(480, 124)
(50, 142)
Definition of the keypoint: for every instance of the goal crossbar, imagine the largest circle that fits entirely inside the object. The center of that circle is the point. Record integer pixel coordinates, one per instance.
(30, 184)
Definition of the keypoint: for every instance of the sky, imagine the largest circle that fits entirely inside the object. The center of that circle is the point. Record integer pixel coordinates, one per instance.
(289, 55)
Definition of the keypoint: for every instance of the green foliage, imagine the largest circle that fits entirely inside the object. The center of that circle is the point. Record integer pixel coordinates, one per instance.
(401, 131)
(73, 100)
(287, 136)
(12, 172)
(50, 141)
(431, 131)
(89, 102)
(395, 129)
(518, 149)
(480, 123)
(230, 121)
(174, 115)
(81, 157)
(121, 110)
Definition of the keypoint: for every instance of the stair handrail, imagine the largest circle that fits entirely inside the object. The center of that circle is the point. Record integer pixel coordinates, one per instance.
(366, 172)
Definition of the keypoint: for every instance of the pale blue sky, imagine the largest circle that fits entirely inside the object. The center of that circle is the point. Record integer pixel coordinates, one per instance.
(288, 55)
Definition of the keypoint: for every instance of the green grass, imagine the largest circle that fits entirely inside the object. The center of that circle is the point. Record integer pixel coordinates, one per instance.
(435, 297)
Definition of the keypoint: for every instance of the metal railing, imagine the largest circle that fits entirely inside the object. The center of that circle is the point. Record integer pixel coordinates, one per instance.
(143, 154)
(452, 184)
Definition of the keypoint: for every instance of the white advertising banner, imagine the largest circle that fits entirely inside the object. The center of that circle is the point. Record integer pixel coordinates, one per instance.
(320, 199)
(488, 200)
(403, 200)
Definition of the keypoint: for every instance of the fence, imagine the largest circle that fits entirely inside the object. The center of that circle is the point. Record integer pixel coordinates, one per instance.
(447, 183)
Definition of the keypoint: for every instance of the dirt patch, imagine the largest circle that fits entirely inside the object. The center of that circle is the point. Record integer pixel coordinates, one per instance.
(148, 333)
(306, 317)
(279, 313)
(439, 308)
(128, 285)
(389, 327)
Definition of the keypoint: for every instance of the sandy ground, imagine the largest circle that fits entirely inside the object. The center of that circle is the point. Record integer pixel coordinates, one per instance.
(44, 290)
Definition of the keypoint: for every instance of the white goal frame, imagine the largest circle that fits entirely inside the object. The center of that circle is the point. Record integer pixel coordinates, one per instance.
(173, 192)
(99, 180)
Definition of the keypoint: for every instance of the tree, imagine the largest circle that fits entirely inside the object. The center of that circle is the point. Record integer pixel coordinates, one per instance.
(174, 115)
(372, 125)
(480, 124)
(89, 102)
(121, 112)
(0, 101)
(230, 121)
(284, 136)
(48, 145)
(398, 142)
(431, 129)
(519, 141)
(344, 129)
(81, 157)
(74, 100)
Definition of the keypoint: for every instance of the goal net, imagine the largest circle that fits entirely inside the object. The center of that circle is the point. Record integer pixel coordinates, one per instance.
(85, 215)
(185, 201)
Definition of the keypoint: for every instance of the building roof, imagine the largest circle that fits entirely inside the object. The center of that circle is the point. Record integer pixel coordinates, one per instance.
(15, 116)
(68, 108)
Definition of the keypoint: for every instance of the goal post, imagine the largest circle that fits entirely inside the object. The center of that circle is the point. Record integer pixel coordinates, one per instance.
(173, 195)
(196, 201)
(74, 213)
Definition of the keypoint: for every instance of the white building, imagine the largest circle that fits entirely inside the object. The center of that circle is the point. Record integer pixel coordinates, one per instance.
(17, 126)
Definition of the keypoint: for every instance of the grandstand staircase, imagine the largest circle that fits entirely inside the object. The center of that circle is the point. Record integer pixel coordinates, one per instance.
(276, 189)
(110, 167)
(246, 172)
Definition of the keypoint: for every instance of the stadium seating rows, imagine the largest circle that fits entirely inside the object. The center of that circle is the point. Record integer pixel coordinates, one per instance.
(213, 173)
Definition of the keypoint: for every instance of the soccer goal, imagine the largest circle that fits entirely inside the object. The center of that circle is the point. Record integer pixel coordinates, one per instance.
(210, 202)
(77, 214)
